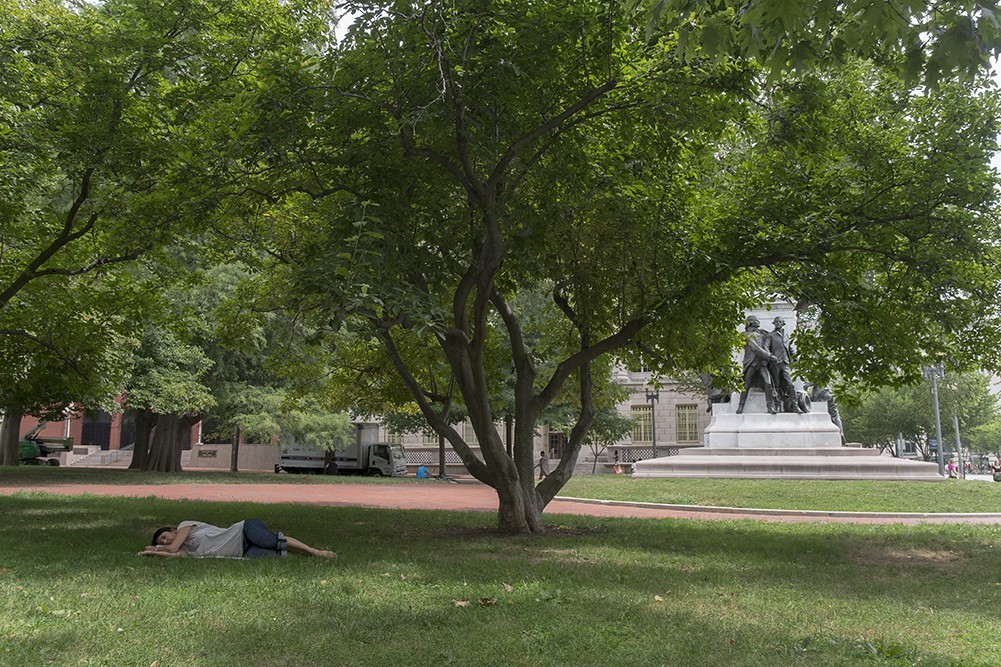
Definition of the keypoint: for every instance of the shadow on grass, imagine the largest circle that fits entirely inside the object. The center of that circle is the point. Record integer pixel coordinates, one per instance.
(940, 567)
(48, 476)
(592, 592)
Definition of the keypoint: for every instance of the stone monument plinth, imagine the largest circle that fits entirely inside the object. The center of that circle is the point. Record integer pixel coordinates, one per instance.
(759, 445)
(755, 427)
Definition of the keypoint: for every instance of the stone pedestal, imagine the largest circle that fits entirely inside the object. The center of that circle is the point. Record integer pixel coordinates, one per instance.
(758, 445)
(756, 428)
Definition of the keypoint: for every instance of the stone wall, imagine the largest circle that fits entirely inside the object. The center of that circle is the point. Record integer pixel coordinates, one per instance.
(261, 458)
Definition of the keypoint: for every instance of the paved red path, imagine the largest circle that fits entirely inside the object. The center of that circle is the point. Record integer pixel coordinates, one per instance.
(466, 497)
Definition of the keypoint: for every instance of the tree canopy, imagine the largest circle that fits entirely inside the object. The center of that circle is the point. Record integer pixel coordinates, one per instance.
(920, 40)
(653, 168)
(460, 155)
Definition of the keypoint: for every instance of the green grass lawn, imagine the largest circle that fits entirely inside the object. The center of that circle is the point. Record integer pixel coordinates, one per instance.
(846, 496)
(439, 588)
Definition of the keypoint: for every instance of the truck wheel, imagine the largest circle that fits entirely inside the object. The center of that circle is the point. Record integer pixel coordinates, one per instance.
(375, 472)
(54, 463)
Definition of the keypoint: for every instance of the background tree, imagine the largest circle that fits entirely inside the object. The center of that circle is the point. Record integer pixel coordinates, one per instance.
(881, 415)
(168, 394)
(106, 114)
(267, 384)
(609, 427)
(57, 362)
(985, 439)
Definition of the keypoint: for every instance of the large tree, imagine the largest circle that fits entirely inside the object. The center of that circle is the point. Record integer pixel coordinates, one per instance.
(111, 115)
(460, 154)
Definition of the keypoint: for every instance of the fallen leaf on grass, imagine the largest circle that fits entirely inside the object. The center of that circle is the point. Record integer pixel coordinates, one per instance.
(488, 602)
(658, 598)
(323, 582)
(508, 587)
(460, 603)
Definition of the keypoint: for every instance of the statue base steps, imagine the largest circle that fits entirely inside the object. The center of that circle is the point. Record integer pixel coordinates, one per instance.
(843, 463)
(758, 445)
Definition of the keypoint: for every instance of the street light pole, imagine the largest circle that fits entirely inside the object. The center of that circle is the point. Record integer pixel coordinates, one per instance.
(653, 397)
(935, 372)
(959, 449)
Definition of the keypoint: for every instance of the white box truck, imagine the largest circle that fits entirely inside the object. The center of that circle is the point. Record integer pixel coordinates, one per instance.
(381, 459)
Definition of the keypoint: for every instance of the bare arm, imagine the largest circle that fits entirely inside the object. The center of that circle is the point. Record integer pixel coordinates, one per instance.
(172, 549)
(151, 550)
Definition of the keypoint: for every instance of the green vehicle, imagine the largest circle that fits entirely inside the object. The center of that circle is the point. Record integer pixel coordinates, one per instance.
(36, 451)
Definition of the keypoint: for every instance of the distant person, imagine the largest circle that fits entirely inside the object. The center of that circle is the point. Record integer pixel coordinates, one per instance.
(250, 538)
(330, 464)
(543, 465)
(423, 472)
(996, 469)
(951, 469)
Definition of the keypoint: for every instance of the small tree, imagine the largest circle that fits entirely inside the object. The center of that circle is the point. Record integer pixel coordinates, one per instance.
(610, 426)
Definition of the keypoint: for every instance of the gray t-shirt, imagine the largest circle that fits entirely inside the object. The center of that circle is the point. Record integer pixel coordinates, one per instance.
(208, 541)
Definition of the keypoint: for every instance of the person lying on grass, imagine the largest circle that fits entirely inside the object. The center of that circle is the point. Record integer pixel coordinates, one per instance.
(250, 538)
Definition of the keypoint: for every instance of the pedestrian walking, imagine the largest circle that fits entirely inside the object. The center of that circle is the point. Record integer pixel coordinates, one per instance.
(543, 465)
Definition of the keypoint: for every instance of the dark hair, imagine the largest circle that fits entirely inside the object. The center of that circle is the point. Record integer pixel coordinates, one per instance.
(158, 533)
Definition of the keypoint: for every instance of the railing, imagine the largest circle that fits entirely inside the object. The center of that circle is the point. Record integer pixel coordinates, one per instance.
(103, 458)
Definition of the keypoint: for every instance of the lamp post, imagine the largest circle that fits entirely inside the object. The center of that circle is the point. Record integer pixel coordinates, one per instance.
(935, 372)
(959, 449)
(653, 397)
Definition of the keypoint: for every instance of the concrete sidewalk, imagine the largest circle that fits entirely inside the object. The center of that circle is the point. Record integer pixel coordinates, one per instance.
(473, 497)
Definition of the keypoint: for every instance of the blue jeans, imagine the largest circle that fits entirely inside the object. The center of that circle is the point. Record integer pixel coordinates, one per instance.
(260, 542)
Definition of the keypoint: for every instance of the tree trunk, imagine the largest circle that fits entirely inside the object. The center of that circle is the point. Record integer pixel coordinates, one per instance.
(519, 509)
(140, 450)
(10, 431)
(172, 431)
(234, 455)
(441, 457)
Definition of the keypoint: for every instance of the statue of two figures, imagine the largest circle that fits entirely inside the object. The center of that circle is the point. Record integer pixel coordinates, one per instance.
(767, 355)
(766, 365)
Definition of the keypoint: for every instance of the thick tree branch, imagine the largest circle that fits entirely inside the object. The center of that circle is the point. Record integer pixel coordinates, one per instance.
(454, 94)
(66, 236)
(440, 425)
(70, 362)
(500, 169)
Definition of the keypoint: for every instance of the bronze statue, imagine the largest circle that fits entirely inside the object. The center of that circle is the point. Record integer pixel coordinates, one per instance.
(818, 393)
(713, 393)
(756, 361)
(781, 351)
